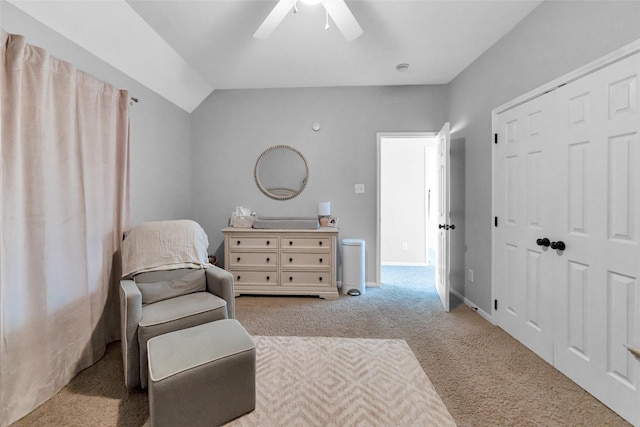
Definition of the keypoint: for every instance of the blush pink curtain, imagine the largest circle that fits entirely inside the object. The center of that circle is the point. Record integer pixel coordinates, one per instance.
(65, 203)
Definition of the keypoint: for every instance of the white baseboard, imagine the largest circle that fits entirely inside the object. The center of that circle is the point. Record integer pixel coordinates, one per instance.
(486, 316)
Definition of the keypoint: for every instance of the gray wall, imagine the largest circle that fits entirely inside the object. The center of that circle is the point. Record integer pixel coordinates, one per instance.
(556, 38)
(160, 131)
(201, 166)
(232, 127)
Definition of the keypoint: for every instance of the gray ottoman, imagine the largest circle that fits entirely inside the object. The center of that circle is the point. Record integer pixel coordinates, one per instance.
(202, 376)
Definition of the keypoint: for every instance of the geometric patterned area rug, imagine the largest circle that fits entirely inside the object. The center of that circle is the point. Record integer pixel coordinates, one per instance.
(323, 381)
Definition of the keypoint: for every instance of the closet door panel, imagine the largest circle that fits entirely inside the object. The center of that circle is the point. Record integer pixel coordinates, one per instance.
(525, 286)
(598, 309)
(576, 309)
(566, 169)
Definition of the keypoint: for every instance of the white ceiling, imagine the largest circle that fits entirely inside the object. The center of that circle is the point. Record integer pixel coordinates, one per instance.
(186, 49)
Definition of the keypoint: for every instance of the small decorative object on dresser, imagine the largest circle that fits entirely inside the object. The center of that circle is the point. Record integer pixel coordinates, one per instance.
(282, 261)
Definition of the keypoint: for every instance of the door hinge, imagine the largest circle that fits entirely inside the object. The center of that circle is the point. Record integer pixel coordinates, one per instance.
(495, 304)
(495, 221)
(495, 138)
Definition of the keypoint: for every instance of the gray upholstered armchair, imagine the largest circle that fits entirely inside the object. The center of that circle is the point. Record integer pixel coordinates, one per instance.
(167, 286)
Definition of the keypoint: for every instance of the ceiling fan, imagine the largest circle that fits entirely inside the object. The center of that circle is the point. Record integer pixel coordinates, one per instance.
(336, 9)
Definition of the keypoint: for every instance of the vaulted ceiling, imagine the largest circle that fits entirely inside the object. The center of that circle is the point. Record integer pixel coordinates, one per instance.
(185, 49)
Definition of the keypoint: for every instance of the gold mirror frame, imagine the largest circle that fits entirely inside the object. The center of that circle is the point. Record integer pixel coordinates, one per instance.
(277, 192)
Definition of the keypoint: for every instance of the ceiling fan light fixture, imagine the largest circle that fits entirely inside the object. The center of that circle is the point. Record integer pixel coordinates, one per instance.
(402, 67)
(336, 9)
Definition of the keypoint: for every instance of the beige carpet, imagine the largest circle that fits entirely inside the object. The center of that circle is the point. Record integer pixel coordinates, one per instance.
(484, 377)
(309, 381)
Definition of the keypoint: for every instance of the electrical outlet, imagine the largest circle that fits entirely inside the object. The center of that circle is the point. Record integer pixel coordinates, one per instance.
(405, 246)
(470, 274)
(359, 188)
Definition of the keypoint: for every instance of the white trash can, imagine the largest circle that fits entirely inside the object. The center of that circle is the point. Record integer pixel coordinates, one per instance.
(353, 267)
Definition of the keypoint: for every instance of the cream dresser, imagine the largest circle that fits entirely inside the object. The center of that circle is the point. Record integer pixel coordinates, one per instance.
(282, 262)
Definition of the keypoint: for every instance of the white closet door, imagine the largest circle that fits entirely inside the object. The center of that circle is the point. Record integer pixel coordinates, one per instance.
(566, 169)
(521, 186)
(596, 169)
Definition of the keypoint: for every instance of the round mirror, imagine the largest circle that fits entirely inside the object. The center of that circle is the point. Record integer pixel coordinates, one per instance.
(281, 172)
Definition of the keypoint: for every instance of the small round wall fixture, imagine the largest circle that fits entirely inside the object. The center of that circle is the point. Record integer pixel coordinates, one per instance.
(315, 126)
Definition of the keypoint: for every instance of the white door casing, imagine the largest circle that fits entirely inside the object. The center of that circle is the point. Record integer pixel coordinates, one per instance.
(587, 296)
(443, 265)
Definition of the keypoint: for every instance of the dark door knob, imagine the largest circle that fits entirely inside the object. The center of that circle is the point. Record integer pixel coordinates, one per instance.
(453, 227)
(543, 242)
(559, 245)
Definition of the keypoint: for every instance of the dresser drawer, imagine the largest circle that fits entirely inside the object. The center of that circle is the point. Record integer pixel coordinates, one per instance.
(253, 242)
(305, 242)
(306, 278)
(266, 278)
(305, 259)
(253, 259)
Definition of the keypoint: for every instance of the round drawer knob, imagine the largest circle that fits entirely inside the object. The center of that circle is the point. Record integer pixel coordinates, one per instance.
(238, 278)
(268, 242)
(268, 259)
(290, 259)
(320, 260)
(320, 279)
(238, 243)
(238, 260)
(290, 243)
(267, 278)
(320, 243)
(290, 279)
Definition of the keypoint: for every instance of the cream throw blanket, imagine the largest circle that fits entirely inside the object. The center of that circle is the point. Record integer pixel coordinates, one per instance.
(164, 245)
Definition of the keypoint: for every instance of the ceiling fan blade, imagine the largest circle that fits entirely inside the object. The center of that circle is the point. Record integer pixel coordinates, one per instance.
(274, 18)
(343, 18)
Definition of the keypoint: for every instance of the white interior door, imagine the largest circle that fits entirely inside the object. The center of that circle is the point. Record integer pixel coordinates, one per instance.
(525, 216)
(443, 266)
(566, 169)
(598, 296)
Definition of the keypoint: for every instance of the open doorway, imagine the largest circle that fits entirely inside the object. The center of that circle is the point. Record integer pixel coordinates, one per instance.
(407, 208)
